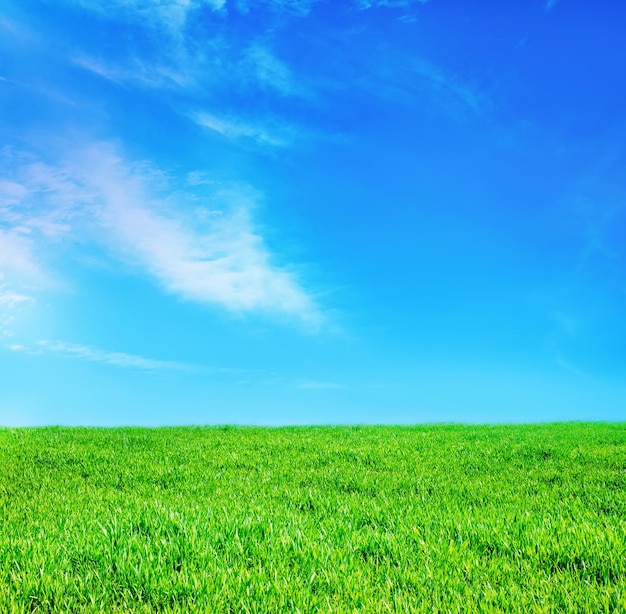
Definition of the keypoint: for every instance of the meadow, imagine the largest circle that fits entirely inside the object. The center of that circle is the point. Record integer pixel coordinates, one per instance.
(439, 518)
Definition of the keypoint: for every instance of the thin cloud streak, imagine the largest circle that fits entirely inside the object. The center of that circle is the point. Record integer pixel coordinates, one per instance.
(235, 129)
(118, 359)
(570, 368)
(255, 377)
(139, 72)
(307, 384)
(443, 82)
(394, 78)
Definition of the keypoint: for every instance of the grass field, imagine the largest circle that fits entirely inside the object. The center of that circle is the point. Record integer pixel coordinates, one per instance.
(343, 519)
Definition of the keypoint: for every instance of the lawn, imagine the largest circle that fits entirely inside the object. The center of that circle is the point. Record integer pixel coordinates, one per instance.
(438, 518)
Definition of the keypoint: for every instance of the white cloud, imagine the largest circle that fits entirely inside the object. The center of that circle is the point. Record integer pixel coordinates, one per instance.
(225, 263)
(398, 4)
(12, 303)
(170, 58)
(20, 277)
(292, 8)
(450, 85)
(217, 258)
(85, 352)
(118, 359)
(394, 77)
(235, 129)
(17, 260)
(165, 14)
(271, 72)
(11, 193)
(16, 347)
(174, 14)
(147, 74)
(37, 207)
(302, 8)
(253, 377)
(12, 299)
(307, 384)
(569, 366)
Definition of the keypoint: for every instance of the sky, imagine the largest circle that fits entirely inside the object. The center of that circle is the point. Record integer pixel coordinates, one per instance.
(312, 212)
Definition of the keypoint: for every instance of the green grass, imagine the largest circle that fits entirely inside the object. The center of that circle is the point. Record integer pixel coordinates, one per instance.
(342, 519)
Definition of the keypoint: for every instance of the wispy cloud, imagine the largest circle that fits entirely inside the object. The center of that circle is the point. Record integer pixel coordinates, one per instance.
(566, 323)
(124, 360)
(550, 4)
(397, 4)
(17, 260)
(166, 15)
(12, 299)
(11, 193)
(567, 365)
(273, 73)
(308, 384)
(175, 59)
(302, 8)
(176, 13)
(393, 77)
(118, 359)
(202, 77)
(449, 87)
(226, 262)
(235, 129)
(38, 207)
(214, 256)
(12, 302)
(198, 66)
(139, 72)
(20, 277)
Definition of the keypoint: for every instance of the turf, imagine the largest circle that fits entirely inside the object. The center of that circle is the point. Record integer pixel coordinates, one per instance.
(442, 518)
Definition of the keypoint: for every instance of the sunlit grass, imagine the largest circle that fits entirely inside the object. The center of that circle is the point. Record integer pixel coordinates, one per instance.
(342, 519)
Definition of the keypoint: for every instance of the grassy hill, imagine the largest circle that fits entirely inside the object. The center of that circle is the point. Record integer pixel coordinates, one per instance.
(374, 519)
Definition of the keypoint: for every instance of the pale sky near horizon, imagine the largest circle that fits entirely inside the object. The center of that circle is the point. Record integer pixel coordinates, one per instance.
(306, 211)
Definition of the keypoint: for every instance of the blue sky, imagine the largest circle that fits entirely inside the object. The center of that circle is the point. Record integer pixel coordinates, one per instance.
(298, 211)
